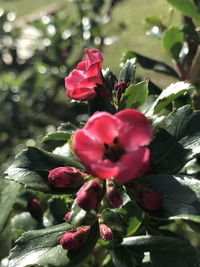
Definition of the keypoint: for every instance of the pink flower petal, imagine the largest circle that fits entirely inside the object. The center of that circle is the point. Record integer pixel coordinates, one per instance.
(105, 169)
(86, 148)
(93, 56)
(73, 80)
(81, 93)
(103, 126)
(133, 164)
(136, 130)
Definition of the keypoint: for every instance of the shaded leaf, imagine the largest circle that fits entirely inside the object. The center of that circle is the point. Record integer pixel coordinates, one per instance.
(31, 168)
(135, 96)
(127, 73)
(150, 64)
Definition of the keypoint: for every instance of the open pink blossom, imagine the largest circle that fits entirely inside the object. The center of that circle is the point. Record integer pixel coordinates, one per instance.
(80, 83)
(114, 145)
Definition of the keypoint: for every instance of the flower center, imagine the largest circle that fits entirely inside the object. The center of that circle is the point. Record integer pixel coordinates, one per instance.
(113, 152)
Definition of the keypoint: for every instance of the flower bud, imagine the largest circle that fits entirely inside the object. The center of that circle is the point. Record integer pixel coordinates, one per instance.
(120, 89)
(147, 197)
(90, 194)
(105, 232)
(67, 216)
(35, 208)
(74, 238)
(68, 177)
(113, 195)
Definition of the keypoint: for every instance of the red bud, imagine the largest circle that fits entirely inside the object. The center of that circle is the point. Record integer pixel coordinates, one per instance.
(120, 88)
(74, 238)
(147, 197)
(67, 216)
(105, 232)
(113, 195)
(35, 208)
(68, 177)
(90, 194)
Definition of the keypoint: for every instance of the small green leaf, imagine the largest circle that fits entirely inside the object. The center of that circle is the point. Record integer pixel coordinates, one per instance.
(150, 64)
(127, 73)
(173, 41)
(187, 7)
(154, 20)
(57, 136)
(168, 95)
(176, 141)
(135, 96)
(110, 79)
(8, 198)
(31, 168)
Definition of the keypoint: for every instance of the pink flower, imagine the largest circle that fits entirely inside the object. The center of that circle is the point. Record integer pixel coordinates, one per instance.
(90, 194)
(74, 238)
(68, 177)
(80, 83)
(114, 145)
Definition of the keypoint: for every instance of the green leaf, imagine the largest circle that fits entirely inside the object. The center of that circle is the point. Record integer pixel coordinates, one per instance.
(135, 96)
(110, 79)
(57, 136)
(180, 196)
(31, 168)
(127, 73)
(176, 141)
(187, 7)
(168, 95)
(24, 221)
(150, 64)
(173, 41)
(165, 251)
(8, 198)
(154, 20)
(111, 218)
(42, 247)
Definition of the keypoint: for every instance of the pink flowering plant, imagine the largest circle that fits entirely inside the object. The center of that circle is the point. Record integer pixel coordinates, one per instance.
(123, 185)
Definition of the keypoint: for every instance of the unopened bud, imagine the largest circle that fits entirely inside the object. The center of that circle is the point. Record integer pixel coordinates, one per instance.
(120, 89)
(105, 232)
(35, 208)
(65, 177)
(90, 194)
(74, 238)
(113, 195)
(67, 216)
(147, 197)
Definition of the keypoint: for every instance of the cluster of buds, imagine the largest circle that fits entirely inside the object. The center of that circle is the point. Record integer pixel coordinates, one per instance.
(146, 196)
(66, 177)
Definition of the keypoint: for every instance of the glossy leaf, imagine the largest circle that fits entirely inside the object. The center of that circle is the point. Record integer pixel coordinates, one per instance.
(164, 251)
(42, 247)
(135, 96)
(177, 140)
(127, 73)
(167, 96)
(173, 41)
(150, 64)
(57, 136)
(110, 79)
(7, 199)
(31, 167)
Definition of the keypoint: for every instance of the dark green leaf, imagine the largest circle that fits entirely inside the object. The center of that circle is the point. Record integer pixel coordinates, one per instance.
(173, 41)
(31, 167)
(180, 196)
(8, 197)
(42, 247)
(177, 140)
(168, 95)
(127, 73)
(150, 64)
(111, 218)
(165, 251)
(187, 7)
(110, 79)
(135, 96)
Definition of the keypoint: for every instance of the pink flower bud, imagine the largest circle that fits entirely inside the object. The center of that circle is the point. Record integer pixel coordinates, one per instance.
(35, 208)
(105, 232)
(147, 197)
(113, 195)
(67, 216)
(68, 177)
(74, 238)
(120, 89)
(90, 194)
